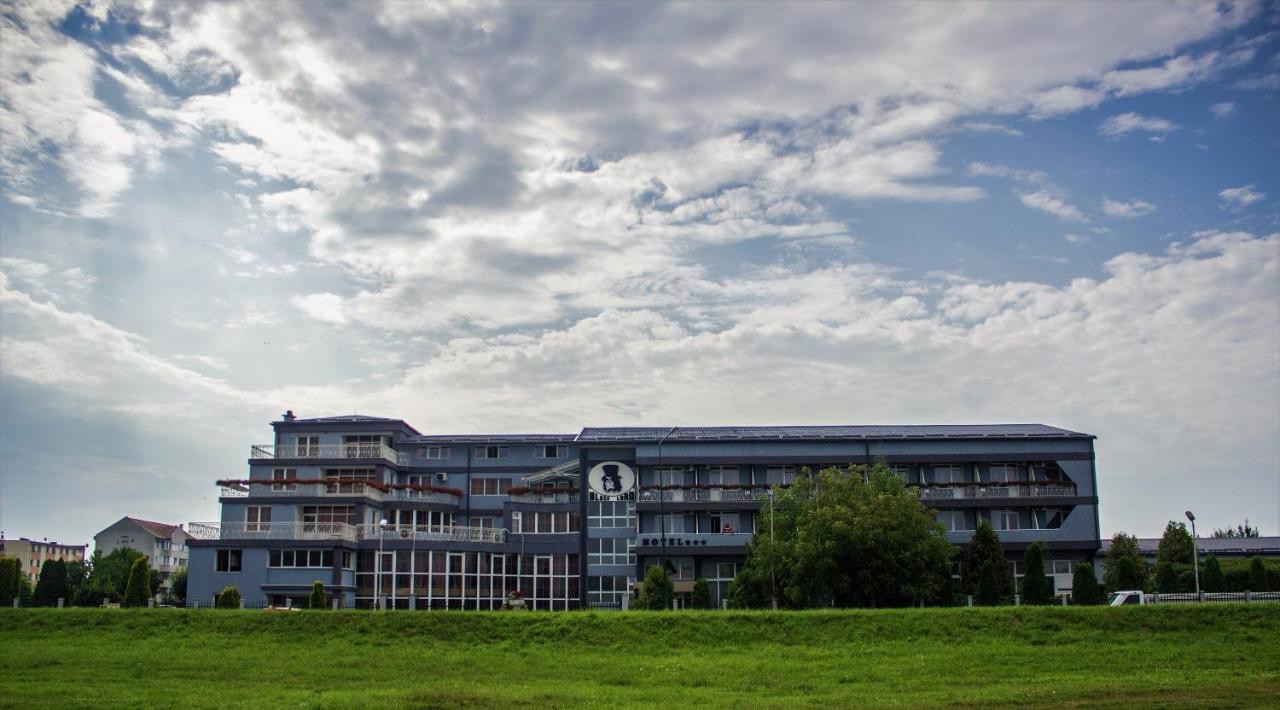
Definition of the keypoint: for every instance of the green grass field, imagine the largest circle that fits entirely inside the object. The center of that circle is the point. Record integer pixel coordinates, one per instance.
(1190, 656)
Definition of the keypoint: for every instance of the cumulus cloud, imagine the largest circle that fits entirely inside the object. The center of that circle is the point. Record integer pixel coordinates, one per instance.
(1046, 201)
(1223, 110)
(1127, 210)
(1237, 197)
(1123, 123)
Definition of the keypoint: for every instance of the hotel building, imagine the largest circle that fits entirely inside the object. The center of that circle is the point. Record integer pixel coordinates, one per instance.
(381, 513)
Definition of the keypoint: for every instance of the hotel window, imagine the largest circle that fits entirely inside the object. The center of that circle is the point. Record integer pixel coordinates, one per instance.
(949, 473)
(348, 480)
(1003, 473)
(257, 518)
(227, 561)
(493, 452)
(722, 475)
(620, 513)
(540, 523)
(551, 452)
(283, 474)
(363, 446)
(608, 591)
(611, 551)
(680, 568)
(673, 475)
(434, 452)
(328, 514)
(901, 470)
(1048, 518)
(308, 446)
(952, 520)
(300, 558)
(490, 486)
(483, 521)
(675, 523)
(725, 523)
(1005, 520)
(517, 522)
(781, 475)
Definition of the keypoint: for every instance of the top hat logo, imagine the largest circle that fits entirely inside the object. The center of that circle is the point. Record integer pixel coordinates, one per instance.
(611, 479)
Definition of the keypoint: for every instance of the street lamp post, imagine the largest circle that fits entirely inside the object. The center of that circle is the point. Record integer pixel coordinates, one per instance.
(1195, 550)
(377, 580)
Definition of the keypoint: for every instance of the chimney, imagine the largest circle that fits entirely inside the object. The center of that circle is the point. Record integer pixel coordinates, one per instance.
(288, 415)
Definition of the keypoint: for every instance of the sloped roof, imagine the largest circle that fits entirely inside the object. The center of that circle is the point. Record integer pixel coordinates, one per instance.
(809, 433)
(161, 530)
(349, 419)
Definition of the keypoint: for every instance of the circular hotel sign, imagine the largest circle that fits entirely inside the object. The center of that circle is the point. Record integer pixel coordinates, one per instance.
(611, 479)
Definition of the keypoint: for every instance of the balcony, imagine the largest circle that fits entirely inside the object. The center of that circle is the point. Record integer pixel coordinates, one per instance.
(311, 489)
(344, 532)
(413, 495)
(977, 492)
(324, 451)
(699, 495)
(432, 533)
(545, 497)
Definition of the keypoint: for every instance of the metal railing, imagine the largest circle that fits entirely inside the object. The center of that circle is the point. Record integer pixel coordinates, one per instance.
(1022, 490)
(273, 531)
(324, 451)
(408, 494)
(698, 495)
(425, 533)
(344, 488)
(545, 497)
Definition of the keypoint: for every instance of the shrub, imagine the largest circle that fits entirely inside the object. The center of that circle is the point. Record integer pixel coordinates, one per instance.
(987, 573)
(1037, 588)
(10, 571)
(52, 584)
(1211, 579)
(701, 597)
(1124, 568)
(138, 590)
(317, 600)
(1258, 576)
(1084, 585)
(657, 591)
(178, 587)
(229, 598)
(1167, 578)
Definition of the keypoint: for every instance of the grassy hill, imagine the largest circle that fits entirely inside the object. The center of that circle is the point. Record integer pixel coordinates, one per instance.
(1187, 656)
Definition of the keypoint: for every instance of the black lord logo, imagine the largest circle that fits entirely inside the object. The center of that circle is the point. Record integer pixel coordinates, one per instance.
(611, 479)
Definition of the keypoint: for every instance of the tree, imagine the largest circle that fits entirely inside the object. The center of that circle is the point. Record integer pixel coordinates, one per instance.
(77, 578)
(987, 575)
(1244, 530)
(1084, 585)
(229, 598)
(52, 584)
(657, 591)
(10, 571)
(1124, 568)
(701, 597)
(178, 587)
(138, 589)
(1037, 588)
(1211, 579)
(108, 575)
(317, 600)
(1176, 546)
(1167, 578)
(846, 538)
(1257, 575)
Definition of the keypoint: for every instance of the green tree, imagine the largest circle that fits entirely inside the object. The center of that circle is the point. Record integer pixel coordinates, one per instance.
(1084, 585)
(1244, 530)
(1124, 567)
(701, 597)
(10, 571)
(657, 591)
(1037, 588)
(1176, 546)
(178, 587)
(229, 598)
(108, 575)
(845, 537)
(1257, 575)
(987, 574)
(138, 589)
(52, 584)
(1167, 578)
(1211, 579)
(77, 578)
(317, 600)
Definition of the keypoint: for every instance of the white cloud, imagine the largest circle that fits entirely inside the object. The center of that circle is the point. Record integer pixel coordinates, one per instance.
(1127, 210)
(1223, 110)
(1046, 201)
(1123, 123)
(1236, 197)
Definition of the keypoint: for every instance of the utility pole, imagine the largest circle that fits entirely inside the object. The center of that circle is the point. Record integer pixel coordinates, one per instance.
(1195, 550)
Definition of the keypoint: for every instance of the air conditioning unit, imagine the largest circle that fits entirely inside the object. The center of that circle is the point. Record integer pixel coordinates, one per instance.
(442, 477)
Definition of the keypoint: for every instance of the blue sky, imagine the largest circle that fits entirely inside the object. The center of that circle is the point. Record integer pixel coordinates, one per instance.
(536, 217)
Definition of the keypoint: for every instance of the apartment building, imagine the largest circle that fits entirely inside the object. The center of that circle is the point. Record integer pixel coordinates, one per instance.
(383, 514)
(164, 545)
(33, 553)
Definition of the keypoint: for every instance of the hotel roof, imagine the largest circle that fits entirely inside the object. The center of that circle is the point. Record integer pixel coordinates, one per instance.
(849, 432)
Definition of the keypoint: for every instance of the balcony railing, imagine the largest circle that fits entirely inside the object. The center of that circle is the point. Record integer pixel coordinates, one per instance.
(1023, 490)
(343, 531)
(545, 497)
(698, 495)
(273, 531)
(417, 496)
(428, 533)
(324, 451)
(336, 489)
